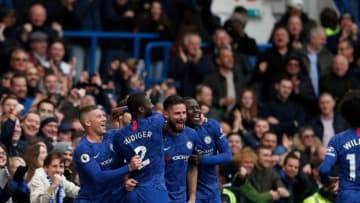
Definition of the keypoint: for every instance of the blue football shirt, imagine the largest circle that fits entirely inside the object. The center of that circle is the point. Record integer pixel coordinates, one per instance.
(146, 141)
(214, 148)
(177, 149)
(95, 166)
(343, 148)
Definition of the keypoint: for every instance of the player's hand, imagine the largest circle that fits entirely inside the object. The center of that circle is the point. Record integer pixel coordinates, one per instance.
(135, 163)
(203, 118)
(195, 159)
(334, 187)
(130, 184)
(117, 113)
(204, 109)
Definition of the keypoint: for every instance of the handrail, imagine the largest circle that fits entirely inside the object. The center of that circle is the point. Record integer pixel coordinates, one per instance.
(149, 46)
(94, 41)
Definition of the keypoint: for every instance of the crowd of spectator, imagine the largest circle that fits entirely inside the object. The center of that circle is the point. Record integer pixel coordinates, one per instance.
(278, 112)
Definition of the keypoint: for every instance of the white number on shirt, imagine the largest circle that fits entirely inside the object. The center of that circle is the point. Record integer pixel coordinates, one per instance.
(352, 166)
(141, 151)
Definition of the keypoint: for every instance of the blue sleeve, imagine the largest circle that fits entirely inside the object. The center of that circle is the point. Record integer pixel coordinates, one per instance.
(157, 120)
(222, 147)
(114, 135)
(84, 160)
(329, 161)
(119, 158)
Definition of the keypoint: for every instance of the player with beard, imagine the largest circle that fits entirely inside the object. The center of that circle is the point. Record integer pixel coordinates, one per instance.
(179, 143)
(95, 159)
(143, 137)
(212, 149)
(344, 149)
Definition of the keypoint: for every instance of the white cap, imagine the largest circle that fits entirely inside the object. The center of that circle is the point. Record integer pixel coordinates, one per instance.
(299, 4)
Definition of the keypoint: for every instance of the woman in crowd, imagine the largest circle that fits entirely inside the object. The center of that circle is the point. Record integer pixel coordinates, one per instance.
(34, 156)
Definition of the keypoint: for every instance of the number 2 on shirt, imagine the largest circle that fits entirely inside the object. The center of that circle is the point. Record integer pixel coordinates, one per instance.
(141, 151)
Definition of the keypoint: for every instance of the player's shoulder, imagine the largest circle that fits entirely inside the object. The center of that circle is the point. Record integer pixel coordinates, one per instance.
(189, 130)
(158, 120)
(110, 134)
(120, 132)
(209, 126)
(112, 131)
(347, 134)
(213, 128)
(211, 122)
(156, 117)
(82, 147)
(343, 137)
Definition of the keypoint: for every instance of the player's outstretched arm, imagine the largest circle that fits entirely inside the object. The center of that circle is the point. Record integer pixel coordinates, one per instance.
(222, 147)
(135, 163)
(85, 160)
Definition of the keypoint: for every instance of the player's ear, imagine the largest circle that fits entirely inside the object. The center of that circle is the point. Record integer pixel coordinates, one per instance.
(87, 122)
(166, 115)
(141, 109)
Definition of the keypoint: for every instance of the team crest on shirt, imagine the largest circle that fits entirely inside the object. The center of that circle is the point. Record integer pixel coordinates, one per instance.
(85, 158)
(207, 139)
(189, 145)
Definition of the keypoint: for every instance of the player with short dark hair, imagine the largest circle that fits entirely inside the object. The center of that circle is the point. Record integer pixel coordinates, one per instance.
(95, 159)
(344, 148)
(213, 149)
(179, 144)
(143, 137)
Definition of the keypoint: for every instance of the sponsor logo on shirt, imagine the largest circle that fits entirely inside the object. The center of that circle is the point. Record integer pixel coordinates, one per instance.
(207, 151)
(106, 162)
(180, 157)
